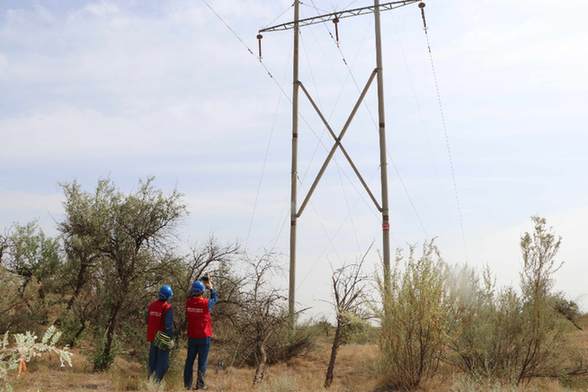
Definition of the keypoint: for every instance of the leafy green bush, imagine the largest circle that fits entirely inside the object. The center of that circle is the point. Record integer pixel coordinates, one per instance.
(567, 308)
(414, 318)
(102, 359)
(505, 334)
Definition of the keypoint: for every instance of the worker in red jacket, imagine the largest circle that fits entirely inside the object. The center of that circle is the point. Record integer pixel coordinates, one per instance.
(159, 320)
(198, 310)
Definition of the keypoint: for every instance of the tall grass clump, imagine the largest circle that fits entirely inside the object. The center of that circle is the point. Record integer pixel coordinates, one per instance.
(414, 318)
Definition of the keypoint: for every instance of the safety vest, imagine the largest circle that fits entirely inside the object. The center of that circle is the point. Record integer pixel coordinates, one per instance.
(156, 318)
(198, 317)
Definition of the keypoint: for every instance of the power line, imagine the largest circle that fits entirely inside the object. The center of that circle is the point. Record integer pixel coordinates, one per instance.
(325, 253)
(280, 15)
(320, 142)
(228, 27)
(266, 154)
(445, 134)
(395, 167)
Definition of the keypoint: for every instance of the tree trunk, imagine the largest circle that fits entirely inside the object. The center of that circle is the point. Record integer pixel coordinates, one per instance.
(261, 362)
(80, 282)
(73, 340)
(107, 348)
(334, 348)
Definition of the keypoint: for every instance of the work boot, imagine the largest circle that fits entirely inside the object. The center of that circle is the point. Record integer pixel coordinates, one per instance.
(200, 385)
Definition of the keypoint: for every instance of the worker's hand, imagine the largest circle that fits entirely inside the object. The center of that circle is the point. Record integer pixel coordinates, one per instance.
(207, 282)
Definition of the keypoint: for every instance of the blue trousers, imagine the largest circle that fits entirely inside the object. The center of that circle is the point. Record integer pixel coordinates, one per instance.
(158, 362)
(196, 348)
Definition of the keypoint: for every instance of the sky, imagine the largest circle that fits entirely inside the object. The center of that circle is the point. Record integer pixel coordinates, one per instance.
(131, 89)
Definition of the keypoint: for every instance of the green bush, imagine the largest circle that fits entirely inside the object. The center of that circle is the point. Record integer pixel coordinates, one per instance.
(103, 359)
(414, 318)
(505, 334)
(361, 332)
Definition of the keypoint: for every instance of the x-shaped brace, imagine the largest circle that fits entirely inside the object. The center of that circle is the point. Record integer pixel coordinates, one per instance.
(338, 144)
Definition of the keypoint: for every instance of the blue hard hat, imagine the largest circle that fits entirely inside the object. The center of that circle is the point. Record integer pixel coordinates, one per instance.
(166, 292)
(197, 287)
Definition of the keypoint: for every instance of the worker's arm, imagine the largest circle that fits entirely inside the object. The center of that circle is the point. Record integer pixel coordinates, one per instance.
(169, 322)
(212, 300)
(213, 294)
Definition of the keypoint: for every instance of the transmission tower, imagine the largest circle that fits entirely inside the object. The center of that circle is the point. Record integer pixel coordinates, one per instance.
(297, 86)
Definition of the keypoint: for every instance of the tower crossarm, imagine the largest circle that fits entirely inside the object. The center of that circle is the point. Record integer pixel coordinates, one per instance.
(339, 15)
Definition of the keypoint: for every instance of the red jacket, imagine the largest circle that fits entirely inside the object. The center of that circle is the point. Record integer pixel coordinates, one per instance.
(198, 317)
(156, 318)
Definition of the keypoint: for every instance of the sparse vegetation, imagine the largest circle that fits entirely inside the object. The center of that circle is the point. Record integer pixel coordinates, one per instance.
(264, 313)
(350, 304)
(443, 328)
(414, 318)
(504, 335)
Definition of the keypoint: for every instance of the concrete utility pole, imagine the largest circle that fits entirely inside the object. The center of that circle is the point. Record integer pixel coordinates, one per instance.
(378, 72)
(294, 174)
(383, 161)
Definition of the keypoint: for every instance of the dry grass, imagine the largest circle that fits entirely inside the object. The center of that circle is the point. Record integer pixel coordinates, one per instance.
(357, 370)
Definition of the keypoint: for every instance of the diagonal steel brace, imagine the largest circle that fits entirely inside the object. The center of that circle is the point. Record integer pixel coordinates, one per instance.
(338, 144)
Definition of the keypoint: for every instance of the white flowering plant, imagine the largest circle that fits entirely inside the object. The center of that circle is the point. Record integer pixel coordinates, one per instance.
(25, 348)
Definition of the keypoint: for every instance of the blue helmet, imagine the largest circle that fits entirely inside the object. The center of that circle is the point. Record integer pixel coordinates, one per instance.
(197, 287)
(166, 292)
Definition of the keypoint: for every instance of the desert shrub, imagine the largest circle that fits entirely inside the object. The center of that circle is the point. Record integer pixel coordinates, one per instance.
(25, 349)
(487, 329)
(253, 329)
(509, 335)
(30, 263)
(132, 234)
(567, 308)
(235, 349)
(283, 345)
(321, 327)
(360, 331)
(414, 317)
(11, 308)
(101, 358)
(348, 285)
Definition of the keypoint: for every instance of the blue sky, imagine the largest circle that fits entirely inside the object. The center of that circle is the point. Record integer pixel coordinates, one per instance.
(130, 89)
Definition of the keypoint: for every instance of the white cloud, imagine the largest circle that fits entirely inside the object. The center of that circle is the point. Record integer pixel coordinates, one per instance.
(102, 9)
(499, 249)
(168, 90)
